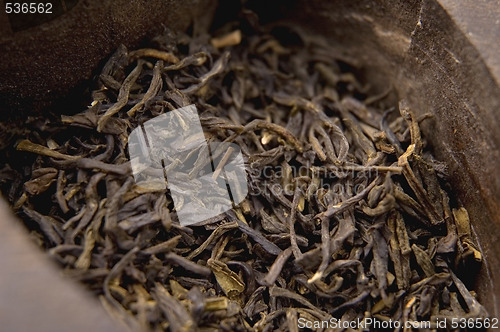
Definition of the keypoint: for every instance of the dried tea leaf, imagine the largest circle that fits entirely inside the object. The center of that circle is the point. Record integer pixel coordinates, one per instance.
(423, 260)
(216, 303)
(28, 146)
(461, 217)
(230, 282)
(177, 315)
(41, 180)
(231, 39)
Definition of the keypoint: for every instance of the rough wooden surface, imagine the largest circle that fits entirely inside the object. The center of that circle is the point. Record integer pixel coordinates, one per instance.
(42, 64)
(34, 296)
(480, 22)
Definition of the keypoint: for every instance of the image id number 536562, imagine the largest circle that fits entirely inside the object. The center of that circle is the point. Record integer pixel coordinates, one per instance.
(28, 8)
(474, 323)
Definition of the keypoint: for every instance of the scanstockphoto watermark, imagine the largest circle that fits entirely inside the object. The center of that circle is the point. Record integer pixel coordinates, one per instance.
(285, 180)
(326, 172)
(370, 323)
(367, 323)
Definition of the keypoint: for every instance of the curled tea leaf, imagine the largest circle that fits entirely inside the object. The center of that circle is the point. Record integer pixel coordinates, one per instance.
(230, 282)
(41, 180)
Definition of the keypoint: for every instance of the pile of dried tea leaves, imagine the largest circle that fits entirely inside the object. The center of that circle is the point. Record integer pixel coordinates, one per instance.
(346, 216)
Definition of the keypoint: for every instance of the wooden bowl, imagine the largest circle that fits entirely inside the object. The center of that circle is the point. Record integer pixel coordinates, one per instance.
(441, 55)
